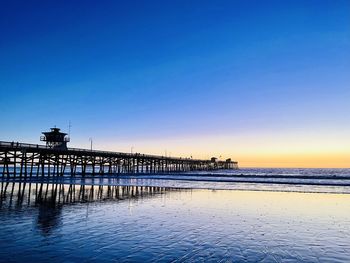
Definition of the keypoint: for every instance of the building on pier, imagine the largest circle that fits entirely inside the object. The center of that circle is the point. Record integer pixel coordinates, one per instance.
(55, 139)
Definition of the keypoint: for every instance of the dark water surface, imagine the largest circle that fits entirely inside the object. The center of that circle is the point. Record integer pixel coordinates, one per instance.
(84, 223)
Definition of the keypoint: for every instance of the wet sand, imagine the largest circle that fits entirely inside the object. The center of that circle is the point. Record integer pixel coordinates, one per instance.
(169, 224)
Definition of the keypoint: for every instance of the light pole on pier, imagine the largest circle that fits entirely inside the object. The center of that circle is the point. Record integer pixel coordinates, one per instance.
(90, 139)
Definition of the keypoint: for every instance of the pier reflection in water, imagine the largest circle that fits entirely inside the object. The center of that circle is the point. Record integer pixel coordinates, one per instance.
(50, 198)
(80, 223)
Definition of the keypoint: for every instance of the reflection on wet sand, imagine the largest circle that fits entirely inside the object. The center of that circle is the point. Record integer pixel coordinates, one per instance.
(59, 194)
(80, 223)
(50, 198)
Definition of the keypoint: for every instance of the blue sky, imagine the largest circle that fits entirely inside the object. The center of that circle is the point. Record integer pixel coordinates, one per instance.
(146, 71)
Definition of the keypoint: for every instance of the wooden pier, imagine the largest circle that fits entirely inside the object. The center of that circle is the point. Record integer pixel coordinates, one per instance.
(23, 160)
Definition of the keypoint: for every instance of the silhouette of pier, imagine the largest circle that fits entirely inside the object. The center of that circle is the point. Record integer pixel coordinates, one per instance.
(25, 160)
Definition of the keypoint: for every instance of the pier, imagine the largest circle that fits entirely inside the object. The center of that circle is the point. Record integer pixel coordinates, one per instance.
(23, 160)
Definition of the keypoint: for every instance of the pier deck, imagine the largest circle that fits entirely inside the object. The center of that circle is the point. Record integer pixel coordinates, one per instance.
(33, 160)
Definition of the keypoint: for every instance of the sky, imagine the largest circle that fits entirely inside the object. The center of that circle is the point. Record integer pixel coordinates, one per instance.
(266, 83)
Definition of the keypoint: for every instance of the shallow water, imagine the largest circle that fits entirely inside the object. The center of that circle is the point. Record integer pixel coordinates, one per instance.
(73, 223)
(254, 179)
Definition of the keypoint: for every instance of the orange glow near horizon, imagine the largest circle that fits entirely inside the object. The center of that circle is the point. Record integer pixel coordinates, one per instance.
(294, 150)
(306, 160)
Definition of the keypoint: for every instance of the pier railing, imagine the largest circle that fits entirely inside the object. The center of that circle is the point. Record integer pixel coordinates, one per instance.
(18, 145)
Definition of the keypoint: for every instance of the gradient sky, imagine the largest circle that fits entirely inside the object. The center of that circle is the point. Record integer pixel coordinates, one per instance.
(264, 82)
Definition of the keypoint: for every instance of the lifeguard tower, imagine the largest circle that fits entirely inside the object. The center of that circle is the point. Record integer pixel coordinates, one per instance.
(55, 139)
